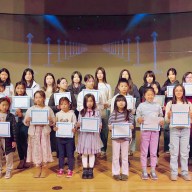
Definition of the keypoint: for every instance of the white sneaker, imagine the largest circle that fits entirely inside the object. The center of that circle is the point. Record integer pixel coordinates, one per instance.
(8, 174)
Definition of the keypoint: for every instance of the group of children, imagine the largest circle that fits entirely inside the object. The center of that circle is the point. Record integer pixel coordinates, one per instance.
(36, 142)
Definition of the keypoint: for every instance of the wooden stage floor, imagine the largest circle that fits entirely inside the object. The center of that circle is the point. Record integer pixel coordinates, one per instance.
(22, 180)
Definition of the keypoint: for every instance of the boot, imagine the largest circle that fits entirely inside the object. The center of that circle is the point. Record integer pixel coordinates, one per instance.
(21, 164)
(44, 172)
(37, 172)
(85, 173)
(90, 173)
(27, 164)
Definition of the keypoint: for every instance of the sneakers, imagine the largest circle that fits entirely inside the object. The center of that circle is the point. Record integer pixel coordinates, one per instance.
(173, 177)
(117, 177)
(144, 176)
(153, 175)
(8, 174)
(124, 177)
(69, 174)
(60, 172)
(186, 177)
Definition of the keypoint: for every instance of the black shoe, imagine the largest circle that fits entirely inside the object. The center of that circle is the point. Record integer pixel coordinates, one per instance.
(85, 173)
(90, 173)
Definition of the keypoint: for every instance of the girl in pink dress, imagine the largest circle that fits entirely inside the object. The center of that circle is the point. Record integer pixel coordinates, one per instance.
(39, 149)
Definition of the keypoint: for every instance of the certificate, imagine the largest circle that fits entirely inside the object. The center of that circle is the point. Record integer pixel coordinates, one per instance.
(130, 102)
(90, 124)
(170, 91)
(188, 89)
(39, 117)
(121, 130)
(93, 92)
(64, 129)
(21, 102)
(180, 115)
(150, 124)
(58, 96)
(29, 92)
(2, 95)
(7, 91)
(5, 129)
(159, 99)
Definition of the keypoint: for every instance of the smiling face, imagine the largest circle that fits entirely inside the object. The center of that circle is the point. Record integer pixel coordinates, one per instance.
(178, 92)
(188, 78)
(63, 84)
(149, 96)
(28, 76)
(149, 79)
(20, 90)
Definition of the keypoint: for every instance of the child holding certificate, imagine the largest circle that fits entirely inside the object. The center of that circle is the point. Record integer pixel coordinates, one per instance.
(120, 145)
(179, 134)
(22, 130)
(89, 143)
(8, 143)
(39, 118)
(187, 78)
(171, 81)
(66, 144)
(149, 115)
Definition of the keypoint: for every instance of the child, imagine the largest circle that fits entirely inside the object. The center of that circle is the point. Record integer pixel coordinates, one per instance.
(22, 130)
(89, 143)
(133, 90)
(105, 90)
(120, 115)
(2, 89)
(62, 85)
(179, 137)
(7, 144)
(65, 145)
(28, 78)
(123, 87)
(39, 149)
(49, 86)
(149, 138)
(148, 79)
(89, 84)
(187, 78)
(171, 81)
(5, 78)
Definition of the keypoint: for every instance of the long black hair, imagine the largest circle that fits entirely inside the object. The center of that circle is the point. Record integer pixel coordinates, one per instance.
(96, 79)
(125, 111)
(8, 80)
(173, 70)
(23, 84)
(24, 74)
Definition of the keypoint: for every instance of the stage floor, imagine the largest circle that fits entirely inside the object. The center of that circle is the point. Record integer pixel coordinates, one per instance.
(22, 180)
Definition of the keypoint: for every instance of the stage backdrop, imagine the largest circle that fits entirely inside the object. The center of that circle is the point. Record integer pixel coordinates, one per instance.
(61, 44)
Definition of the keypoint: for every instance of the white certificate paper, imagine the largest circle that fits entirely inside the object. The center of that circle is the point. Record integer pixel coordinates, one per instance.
(188, 89)
(39, 117)
(90, 124)
(29, 92)
(21, 102)
(58, 96)
(150, 124)
(120, 130)
(5, 129)
(64, 129)
(93, 92)
(130, 102)
(7, 91)
(170, 91)
(159, 99)
(180, 115)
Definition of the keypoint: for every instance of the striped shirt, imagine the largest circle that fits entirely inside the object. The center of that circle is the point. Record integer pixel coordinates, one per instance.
(120, 118)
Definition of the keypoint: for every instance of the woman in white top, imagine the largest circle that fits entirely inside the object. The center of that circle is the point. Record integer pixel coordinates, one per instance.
(28, 78)
(105, 91)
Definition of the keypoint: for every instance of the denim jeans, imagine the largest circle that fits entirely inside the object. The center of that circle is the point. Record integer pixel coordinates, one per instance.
(179, 140)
